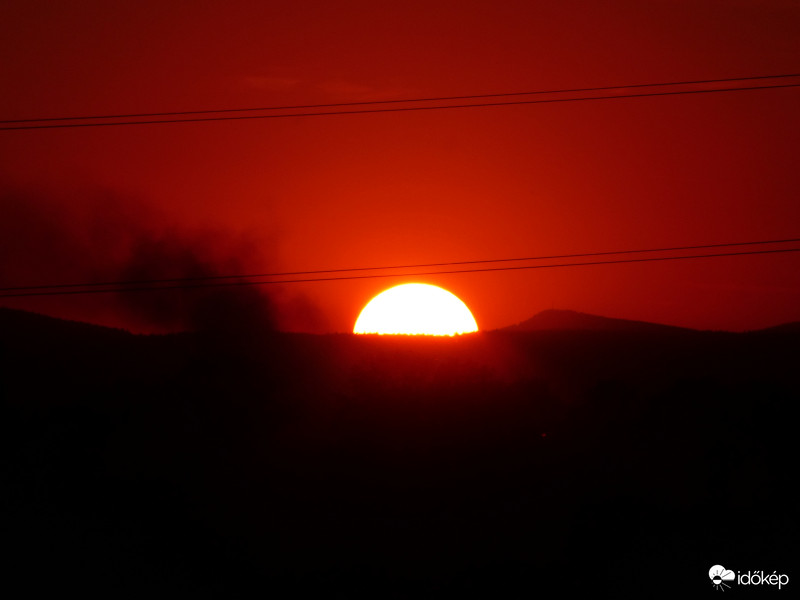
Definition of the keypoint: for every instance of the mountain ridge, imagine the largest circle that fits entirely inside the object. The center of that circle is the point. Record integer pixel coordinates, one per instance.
(571, 320)
(546, 320)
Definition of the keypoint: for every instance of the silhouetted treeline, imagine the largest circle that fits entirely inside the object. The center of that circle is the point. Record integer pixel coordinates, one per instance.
(500, 464)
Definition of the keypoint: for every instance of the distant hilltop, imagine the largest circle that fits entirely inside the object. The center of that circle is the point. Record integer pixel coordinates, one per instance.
(570, 320)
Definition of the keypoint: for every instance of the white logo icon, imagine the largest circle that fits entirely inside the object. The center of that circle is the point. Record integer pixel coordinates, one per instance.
(719, 575)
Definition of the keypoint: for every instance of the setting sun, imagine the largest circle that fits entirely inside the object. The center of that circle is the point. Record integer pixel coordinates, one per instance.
(416, 308)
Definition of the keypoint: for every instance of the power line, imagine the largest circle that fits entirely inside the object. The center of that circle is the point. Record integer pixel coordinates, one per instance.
(392, 267)
(385, 275)
(400, 109)
(404, 100)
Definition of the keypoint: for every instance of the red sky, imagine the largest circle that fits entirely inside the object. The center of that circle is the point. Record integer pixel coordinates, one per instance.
(382, 189)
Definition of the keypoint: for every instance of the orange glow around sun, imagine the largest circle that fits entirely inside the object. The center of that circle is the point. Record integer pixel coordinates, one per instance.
(415, 308)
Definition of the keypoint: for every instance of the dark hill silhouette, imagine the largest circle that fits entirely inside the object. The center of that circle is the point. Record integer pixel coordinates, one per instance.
(787, 328)
(20, 323)
(570, 320)
(498, 464)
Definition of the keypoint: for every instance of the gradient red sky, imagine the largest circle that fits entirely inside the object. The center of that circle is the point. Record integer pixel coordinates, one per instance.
(363, 190)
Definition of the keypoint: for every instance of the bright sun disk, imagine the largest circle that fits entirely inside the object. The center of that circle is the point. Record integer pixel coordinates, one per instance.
(415, 308)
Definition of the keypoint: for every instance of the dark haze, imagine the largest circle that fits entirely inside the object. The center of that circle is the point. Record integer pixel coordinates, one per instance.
(48, 238)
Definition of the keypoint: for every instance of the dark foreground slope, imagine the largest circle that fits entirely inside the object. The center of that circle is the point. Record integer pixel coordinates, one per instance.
(504, 464)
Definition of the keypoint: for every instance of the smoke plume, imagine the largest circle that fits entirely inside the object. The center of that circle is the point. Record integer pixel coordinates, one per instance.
(75, 237)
